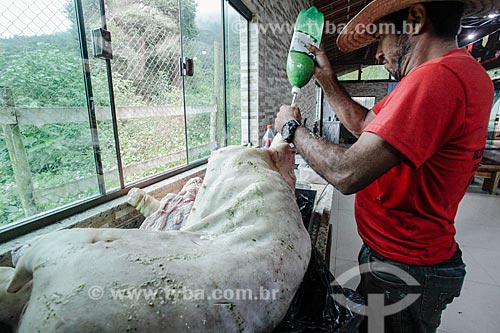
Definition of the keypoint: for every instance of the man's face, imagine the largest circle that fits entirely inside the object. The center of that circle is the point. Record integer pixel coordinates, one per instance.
(393, 52)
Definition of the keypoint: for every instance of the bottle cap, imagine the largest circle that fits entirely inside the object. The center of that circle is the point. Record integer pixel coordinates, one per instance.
(295, 90)
(269, 126)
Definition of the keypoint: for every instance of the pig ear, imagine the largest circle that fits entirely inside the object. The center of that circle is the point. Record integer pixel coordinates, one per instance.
(21, 277)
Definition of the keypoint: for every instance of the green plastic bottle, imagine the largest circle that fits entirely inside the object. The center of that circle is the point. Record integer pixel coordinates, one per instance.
(300, 62)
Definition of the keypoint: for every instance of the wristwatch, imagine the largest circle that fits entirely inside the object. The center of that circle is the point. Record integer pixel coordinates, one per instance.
(288, 130)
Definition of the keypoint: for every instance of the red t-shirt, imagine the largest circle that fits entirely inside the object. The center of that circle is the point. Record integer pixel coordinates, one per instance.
(437, 117)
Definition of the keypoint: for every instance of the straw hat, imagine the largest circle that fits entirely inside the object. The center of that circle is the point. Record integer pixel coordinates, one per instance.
(350, 39)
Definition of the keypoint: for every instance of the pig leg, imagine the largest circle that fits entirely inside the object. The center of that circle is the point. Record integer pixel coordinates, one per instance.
(283, 157)
(12, 304)
(35, 253)
(142, 201)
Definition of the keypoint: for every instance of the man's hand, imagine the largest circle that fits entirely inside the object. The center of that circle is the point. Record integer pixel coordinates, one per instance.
(323, 71)
(286, 113)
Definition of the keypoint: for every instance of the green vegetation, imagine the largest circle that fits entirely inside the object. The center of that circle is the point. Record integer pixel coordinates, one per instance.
(377, 72)
(45, 72)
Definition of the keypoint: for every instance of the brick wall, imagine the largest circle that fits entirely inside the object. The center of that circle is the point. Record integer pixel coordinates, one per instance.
(271, 31)
(363, 89)
(269, 86)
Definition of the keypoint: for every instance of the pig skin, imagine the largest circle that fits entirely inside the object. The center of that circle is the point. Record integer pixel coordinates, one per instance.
(244, 232)
(173, 209)
(14, 302)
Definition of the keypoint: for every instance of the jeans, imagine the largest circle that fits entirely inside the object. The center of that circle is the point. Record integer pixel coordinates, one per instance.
(438, 286)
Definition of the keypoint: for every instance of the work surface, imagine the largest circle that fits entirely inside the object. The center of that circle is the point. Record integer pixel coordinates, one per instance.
(319, 227)
(489, 169)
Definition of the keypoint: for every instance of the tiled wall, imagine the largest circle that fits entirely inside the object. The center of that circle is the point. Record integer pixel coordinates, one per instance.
(269, 86)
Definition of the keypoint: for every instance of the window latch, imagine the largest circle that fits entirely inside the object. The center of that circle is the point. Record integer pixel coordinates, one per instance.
(101, 42)
(187, 66)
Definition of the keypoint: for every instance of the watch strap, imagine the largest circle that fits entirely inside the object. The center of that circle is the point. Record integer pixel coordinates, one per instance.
(289, 129)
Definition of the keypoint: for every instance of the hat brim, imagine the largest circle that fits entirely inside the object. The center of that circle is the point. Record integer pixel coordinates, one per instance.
(354, 36)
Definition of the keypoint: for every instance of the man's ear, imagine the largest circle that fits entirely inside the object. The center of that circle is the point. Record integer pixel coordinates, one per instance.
(417, 17)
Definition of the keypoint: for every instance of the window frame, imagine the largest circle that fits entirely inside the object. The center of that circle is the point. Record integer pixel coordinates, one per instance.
(32, 223)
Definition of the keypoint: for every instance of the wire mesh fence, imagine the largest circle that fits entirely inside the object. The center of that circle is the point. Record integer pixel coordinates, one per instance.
(44, 107)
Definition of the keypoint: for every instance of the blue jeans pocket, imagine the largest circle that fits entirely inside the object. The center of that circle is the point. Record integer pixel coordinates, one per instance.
(438, 292)
(386, 273)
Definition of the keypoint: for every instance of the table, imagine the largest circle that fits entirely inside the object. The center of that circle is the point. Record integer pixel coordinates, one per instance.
(491, 175)
(489, 169)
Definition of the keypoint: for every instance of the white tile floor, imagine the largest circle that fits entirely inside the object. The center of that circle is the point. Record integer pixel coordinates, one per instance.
(478, 233)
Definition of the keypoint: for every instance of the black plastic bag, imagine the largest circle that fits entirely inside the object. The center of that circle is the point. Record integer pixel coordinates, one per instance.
(314, 308)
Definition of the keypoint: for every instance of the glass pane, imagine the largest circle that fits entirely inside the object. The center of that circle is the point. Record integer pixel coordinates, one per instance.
(204, 91)
(147, 86)
(494, 73)
(377, 72)
(367, 102)
(349, 76)
(100, 93)
(493, 124)
(236, 74)
(46, 155)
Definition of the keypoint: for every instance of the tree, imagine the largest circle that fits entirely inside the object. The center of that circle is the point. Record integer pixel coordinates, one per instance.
(146, 42)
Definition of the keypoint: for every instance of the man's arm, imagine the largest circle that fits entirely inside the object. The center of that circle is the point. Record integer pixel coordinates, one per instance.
(349, 170)
(354, 116)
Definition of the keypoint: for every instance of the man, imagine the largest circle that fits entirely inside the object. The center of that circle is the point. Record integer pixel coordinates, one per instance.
(416, 153)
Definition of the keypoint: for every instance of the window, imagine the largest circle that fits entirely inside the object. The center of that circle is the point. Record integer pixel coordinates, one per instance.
(332, 128)
(377, 72)
(494, 73)
(368, 73)
(367, 102)
(71, 136)
(493, 137)
(351, 76)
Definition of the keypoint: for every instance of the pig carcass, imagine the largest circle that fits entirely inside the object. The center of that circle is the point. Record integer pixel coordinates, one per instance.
(234, 266)
(171, 212)
(12, 303)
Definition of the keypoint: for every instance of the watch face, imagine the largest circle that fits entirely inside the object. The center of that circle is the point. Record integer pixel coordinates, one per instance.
(285, 132)
(288, 130)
